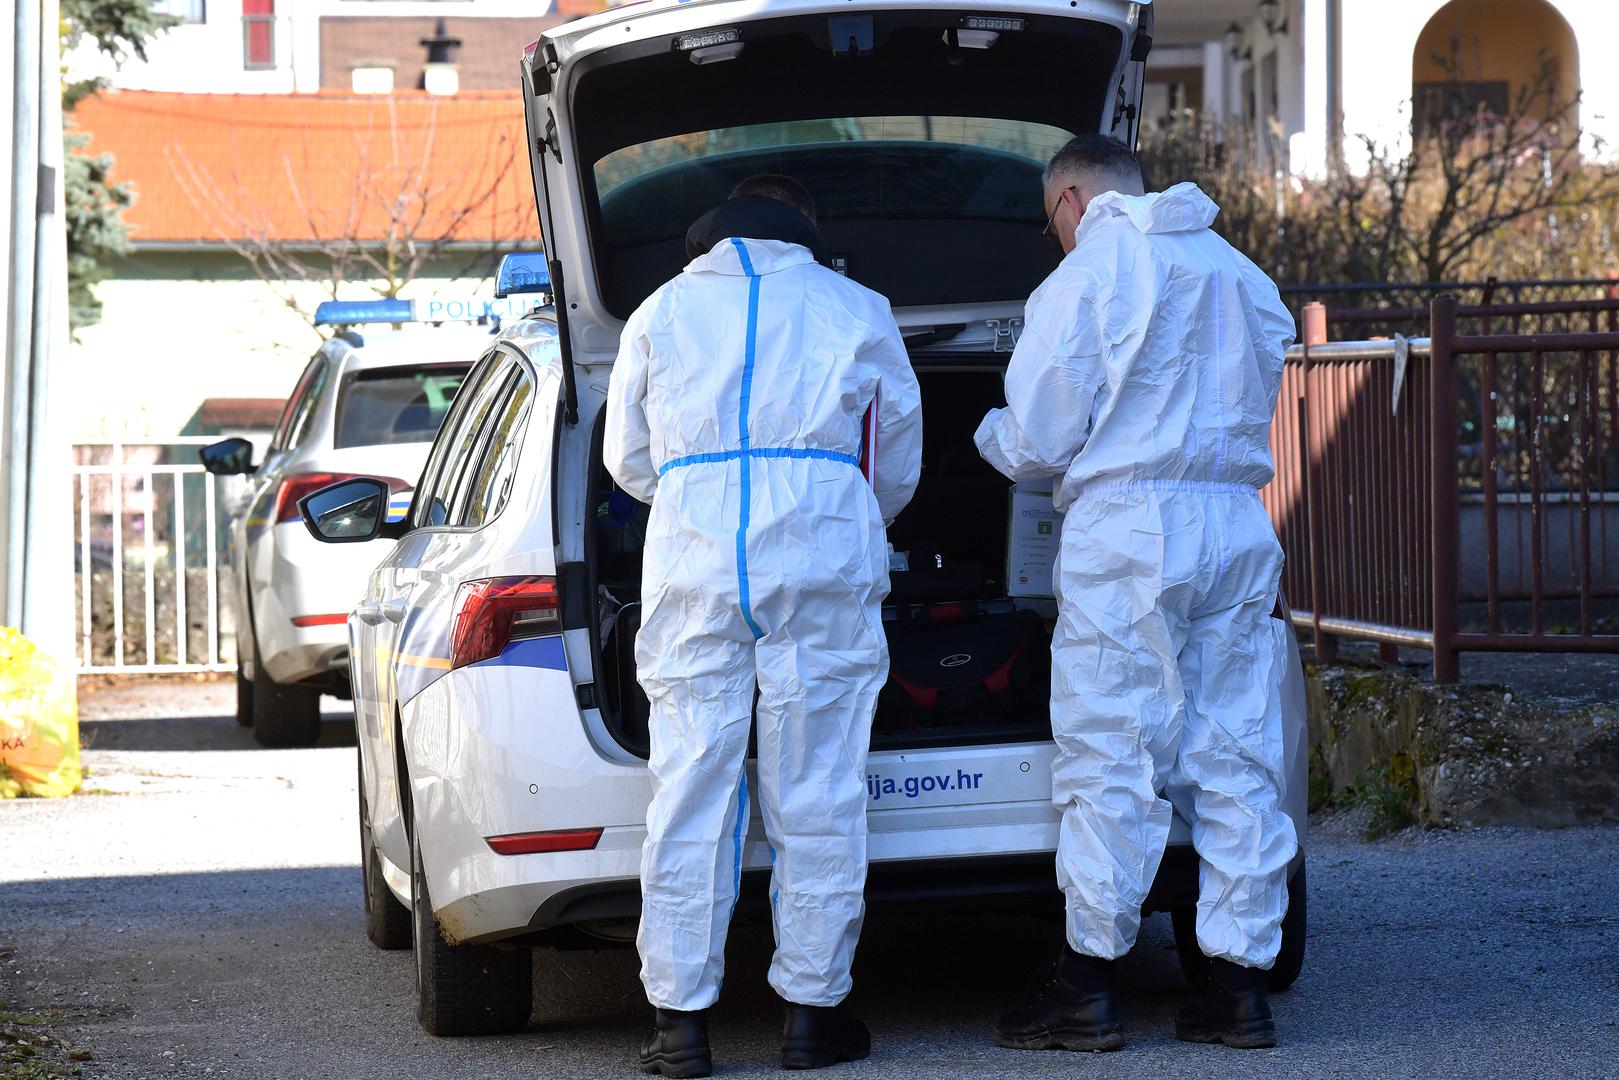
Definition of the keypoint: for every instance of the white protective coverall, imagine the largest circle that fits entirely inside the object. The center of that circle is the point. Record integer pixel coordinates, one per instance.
(1146, 377)
(737, 400)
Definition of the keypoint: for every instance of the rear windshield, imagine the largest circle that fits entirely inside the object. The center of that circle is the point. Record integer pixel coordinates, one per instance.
(395, 405)
(936, 167)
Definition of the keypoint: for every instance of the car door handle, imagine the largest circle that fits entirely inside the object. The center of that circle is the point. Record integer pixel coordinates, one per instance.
(393, 610)
(370, 614)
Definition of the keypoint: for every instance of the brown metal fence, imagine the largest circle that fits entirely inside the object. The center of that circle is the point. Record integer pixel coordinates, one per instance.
(1557, 316)
(1457, 492)
(1386, 296)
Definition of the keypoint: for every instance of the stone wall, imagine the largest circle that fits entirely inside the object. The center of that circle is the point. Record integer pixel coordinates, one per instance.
(1466, 755)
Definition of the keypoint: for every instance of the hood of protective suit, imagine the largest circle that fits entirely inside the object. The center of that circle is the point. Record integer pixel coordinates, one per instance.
(764, 257)
(1182, 208)
(753, 217)
(1152, 354)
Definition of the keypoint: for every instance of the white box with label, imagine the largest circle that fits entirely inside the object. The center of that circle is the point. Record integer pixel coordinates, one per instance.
(1033, 535)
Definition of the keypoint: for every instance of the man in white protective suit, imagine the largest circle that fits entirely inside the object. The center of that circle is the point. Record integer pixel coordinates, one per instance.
(1145, 379)
(736, 409)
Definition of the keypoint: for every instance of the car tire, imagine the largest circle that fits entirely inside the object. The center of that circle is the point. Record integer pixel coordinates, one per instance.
(284, 715)
(387, 921)
(1289, 961)
(244, 698)
(464, 989)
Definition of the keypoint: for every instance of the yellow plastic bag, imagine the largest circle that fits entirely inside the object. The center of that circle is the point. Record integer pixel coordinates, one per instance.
(39, 722)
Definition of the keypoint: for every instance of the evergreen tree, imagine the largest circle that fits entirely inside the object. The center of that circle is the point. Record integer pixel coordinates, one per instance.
(95, 202)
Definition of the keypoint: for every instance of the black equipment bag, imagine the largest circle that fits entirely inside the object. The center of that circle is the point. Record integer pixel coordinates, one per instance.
(952, 664)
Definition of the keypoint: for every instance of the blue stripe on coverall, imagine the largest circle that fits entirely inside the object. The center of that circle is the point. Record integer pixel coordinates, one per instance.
(739, 832)
(757, 452)
(746, 455)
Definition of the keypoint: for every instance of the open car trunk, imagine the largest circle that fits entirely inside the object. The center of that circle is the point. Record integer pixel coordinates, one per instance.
(920, 128)
(969, 663)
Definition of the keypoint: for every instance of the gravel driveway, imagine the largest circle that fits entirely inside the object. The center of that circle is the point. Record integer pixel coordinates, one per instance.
(204, 919)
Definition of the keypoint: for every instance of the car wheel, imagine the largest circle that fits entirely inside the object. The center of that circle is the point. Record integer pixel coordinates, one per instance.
(1289, 961)
(1194, 965)
(285, 715)
(464, 989)
(244, 698)
(387, 921)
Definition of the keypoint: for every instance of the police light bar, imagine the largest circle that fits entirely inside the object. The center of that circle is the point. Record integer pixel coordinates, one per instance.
(439, 310)
(354, 312)
(522, 272)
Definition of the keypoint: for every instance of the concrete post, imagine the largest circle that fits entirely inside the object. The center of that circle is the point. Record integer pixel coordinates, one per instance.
(37, 526)
(1446, 491)
(1314, 428)
(20, 297)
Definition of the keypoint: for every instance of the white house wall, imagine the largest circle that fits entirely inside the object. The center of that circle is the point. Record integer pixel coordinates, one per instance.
(206, 57)
(179, 328)
(1379, 37)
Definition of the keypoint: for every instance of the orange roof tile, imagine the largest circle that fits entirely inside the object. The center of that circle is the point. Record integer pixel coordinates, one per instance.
(313, 168)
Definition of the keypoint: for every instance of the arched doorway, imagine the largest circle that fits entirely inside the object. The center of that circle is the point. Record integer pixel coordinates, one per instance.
(1493, 55)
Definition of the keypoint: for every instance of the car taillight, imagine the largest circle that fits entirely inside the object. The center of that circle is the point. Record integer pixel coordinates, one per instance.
(297, 485)
(535, 843)
(492, 612)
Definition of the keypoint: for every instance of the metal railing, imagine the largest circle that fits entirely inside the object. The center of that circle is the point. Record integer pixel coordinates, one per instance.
(149, 543)
(1384, 296)
(1557, 316)
(1413, 475)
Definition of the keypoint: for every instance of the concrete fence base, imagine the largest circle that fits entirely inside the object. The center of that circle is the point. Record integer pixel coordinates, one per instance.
(1467, 755)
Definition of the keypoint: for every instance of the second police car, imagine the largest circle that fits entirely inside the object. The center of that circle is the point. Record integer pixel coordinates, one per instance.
(502, 732)
(363, 406)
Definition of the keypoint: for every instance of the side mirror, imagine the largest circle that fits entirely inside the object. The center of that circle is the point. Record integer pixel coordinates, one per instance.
(228, 457)
(351, 512)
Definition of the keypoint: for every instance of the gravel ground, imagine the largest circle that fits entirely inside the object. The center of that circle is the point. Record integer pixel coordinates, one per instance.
(204, 919)
(1592, 678)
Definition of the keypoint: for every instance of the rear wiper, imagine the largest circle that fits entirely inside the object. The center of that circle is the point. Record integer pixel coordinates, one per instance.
(934, 336)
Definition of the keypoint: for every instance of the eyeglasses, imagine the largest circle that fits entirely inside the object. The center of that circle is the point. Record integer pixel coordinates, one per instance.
(1046, 232)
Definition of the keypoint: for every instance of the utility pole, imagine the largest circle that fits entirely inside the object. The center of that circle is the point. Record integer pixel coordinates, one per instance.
(36, 538)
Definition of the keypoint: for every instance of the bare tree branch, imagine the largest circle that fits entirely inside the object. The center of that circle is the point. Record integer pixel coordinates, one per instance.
(403, 210)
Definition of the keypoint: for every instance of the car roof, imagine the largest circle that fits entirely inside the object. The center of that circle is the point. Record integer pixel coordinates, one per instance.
(449, 343)
(533, 333)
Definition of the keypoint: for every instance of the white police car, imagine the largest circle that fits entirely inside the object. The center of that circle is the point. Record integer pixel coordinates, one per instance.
(363, 406)
(501, 730)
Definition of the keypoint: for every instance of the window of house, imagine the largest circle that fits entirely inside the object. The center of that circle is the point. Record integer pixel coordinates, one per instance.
(1435, 104)
(1270, 87)
(191, 11)
(258, 34)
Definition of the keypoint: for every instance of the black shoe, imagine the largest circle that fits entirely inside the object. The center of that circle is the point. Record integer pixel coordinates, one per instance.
(817, 1036)
(1234, 1009)
(1075, 1006)
(678, 1045)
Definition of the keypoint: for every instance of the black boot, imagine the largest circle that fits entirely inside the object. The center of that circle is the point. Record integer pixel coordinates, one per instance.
(678, 1045)
(1076, 1007)
(1234, 1009)
(817, 1036)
